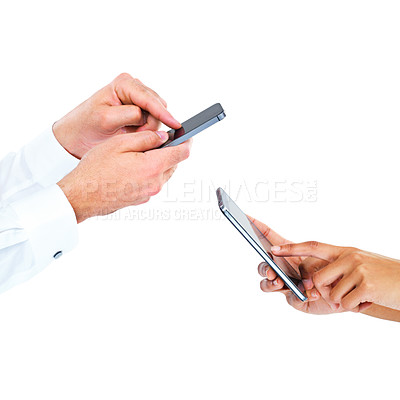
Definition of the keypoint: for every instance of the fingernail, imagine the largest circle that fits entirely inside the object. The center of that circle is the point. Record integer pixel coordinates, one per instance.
(275, 248)
(275, 282)
(314, 294)
(308, 283)
(163, 135)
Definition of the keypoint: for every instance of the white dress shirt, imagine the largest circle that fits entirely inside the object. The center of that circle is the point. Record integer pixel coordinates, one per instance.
(37, 223)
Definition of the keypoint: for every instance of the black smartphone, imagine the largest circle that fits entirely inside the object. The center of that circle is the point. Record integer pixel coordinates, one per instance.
(194, 125)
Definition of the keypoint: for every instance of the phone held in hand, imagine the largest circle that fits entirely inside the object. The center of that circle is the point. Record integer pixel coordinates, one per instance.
(195, 125)
(260, 244)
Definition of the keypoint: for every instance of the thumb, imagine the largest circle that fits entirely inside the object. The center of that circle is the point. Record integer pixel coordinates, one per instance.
(142, 141)
(307, 269)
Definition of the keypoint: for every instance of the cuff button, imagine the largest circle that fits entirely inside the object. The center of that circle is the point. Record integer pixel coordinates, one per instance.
(58, 255)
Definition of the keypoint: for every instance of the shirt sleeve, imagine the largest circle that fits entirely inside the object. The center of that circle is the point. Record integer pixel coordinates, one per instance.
(38, 164)
(37, 223)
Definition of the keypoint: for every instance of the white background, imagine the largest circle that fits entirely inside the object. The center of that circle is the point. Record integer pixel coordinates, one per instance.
(153, 308)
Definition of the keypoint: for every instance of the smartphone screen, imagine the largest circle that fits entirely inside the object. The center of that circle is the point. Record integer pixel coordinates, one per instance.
(240, 220)
(195, 125)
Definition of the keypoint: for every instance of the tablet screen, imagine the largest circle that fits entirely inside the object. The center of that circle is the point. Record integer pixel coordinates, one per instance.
(242, 219)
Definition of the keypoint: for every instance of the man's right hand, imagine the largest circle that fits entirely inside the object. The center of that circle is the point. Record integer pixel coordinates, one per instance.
(123, 171)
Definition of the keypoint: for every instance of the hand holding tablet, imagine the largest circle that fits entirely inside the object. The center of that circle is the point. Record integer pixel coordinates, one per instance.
(260, 244)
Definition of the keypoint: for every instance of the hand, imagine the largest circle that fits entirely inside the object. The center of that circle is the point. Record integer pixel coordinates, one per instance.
(305, 266)
(120, 172)
(123, 106)
(353, 278)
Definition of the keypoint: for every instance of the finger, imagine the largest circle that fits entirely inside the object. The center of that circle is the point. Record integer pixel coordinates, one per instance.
(332, 272)
(168, 157)
(313, 295)
(140, 141)
(314, 249)
(266, 271)
(131, 91)
(352, 301)
(155, 93)
(163, 101)
(307, 269)
(271, 235)
(125, 115)
(152, 123)
(324, 279)
(344, 286)
(276, 285)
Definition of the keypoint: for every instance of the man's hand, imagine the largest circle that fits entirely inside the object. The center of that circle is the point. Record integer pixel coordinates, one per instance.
(123, 106)
(353, 278)
(121, 172)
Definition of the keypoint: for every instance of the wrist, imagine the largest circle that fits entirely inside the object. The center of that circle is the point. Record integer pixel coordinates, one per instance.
(66, 136)
(76, 197)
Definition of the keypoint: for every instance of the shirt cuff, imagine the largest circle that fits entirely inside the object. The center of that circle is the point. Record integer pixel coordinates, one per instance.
(48, 161)
(49, 220)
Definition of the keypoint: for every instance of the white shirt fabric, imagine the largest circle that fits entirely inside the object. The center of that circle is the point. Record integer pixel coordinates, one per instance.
(36, 220)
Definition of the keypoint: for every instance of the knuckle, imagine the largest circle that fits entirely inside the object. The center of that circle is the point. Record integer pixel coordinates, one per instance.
(362, 270)
(346, 305)
(180, 153)
(366, 288)
(351, 249)
(287, 247)
(154, 188)
(185, 153)
(137, 113)
(151, 139)
(124, 76)
(317, 279)
(104, 119)
(334, 296)
(356, 257)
